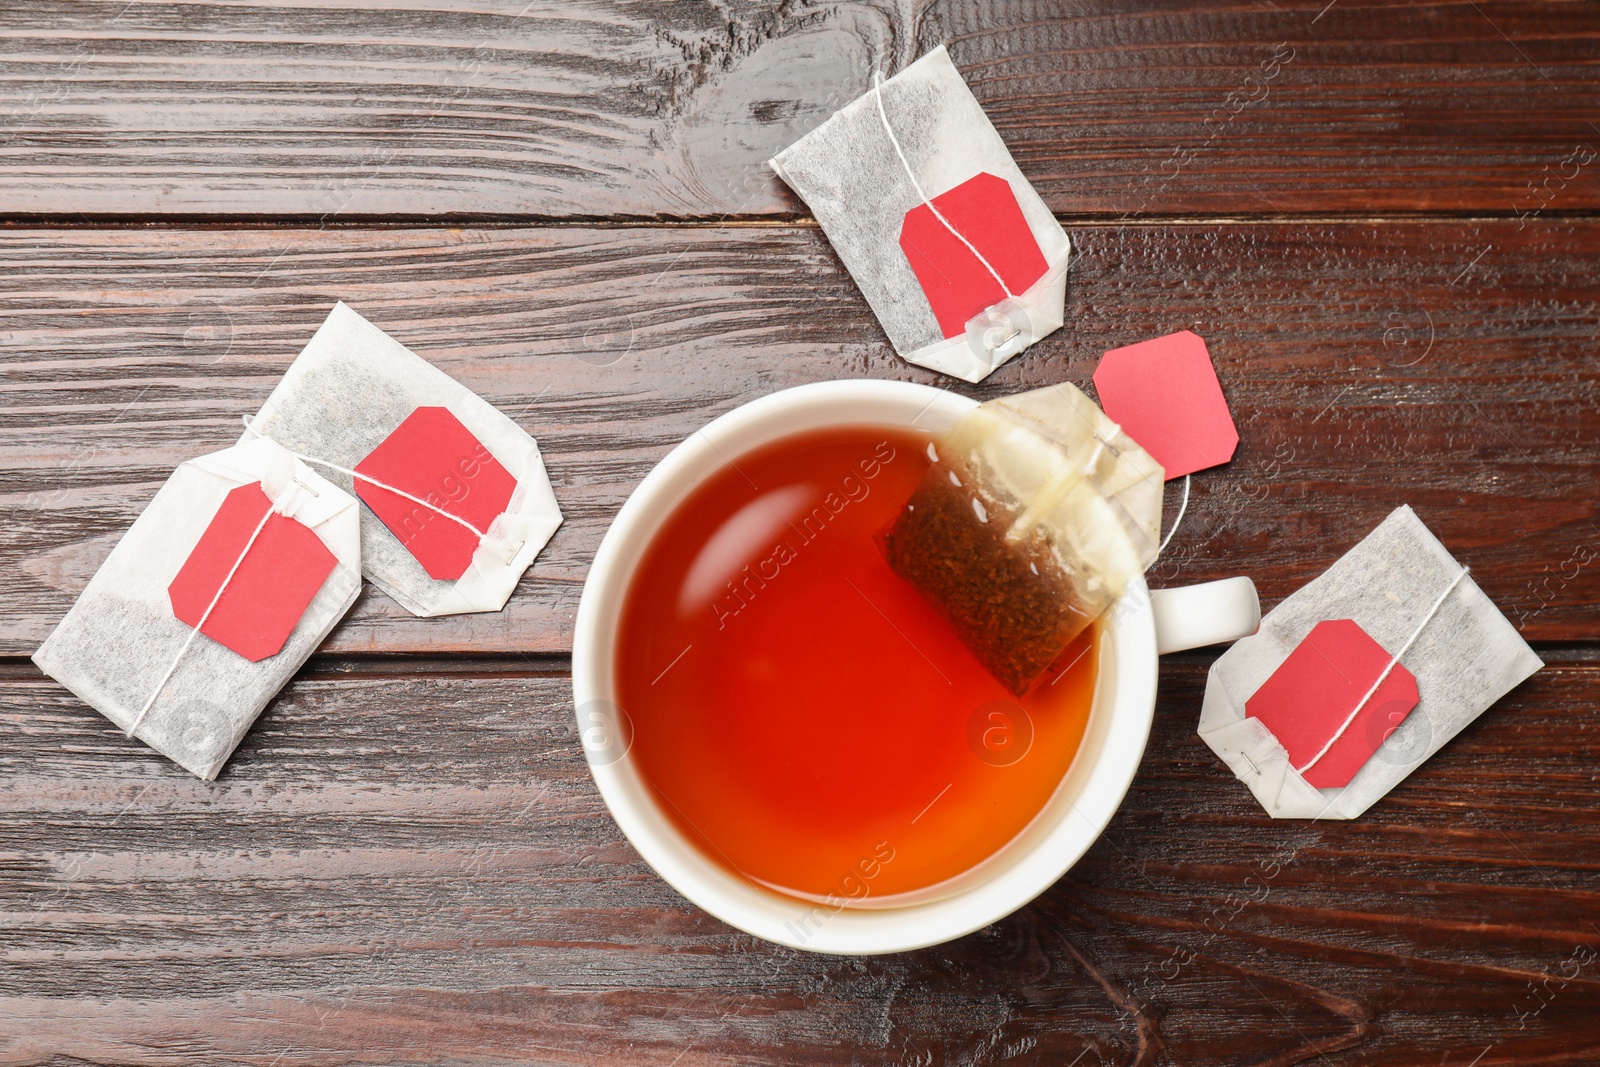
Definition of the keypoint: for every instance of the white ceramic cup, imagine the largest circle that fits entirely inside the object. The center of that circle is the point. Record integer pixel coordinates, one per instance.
(1134, 631)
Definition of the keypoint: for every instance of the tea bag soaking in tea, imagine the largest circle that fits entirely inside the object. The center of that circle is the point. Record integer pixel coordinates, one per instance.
(961, 260)
(456, 500)
(1361, 675)
(1035, 515)
(216, 595)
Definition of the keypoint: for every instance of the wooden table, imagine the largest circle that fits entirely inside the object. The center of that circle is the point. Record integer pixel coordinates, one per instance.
(1391, 244)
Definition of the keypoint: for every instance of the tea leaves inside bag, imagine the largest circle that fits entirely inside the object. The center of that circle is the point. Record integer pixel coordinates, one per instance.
(1032, 521)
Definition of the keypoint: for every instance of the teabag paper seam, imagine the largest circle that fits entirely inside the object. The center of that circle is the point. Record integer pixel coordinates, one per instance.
(351, 388)
(1400, 585)
(121, 644)
(916, 137)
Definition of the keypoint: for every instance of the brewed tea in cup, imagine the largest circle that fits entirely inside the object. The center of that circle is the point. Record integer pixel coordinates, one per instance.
(799, 710)
(838, 883)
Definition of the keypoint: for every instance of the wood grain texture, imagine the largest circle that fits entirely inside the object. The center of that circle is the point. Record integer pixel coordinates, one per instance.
(408, 868)
(1445, 365)
(332, 108)
(1381, 215)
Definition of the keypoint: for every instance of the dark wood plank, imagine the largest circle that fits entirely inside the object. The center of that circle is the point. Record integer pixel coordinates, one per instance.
(1445, 365)
(414, 867)
(616, 107)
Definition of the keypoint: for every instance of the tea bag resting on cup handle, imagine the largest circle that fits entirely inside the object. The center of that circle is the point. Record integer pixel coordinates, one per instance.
(1038, 514)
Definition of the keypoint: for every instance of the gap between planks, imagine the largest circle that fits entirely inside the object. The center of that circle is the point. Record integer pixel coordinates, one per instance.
(775, 221)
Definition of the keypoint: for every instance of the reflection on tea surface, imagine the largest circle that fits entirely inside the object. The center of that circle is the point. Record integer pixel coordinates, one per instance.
(803, 714)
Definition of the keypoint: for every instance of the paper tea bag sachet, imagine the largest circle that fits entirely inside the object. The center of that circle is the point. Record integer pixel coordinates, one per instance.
(216, 595)
(961, 260)
(1035, 515)
(1361, 675)
(456, 500)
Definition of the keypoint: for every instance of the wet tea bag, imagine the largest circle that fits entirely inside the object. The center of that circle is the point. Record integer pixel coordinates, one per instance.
(1036, 513)
(1361, 675)
(216, 595)
(456, 502)
(961, 260)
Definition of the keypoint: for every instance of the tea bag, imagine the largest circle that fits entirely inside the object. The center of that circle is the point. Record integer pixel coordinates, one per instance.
(216, 595)
(961, 260)
(1036, 513)
(456, 502)
(1361, 675)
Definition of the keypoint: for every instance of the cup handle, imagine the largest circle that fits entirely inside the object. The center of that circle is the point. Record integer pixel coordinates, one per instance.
(1210, 613)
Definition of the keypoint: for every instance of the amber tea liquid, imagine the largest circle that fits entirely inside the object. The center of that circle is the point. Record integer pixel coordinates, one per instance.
(801, 713)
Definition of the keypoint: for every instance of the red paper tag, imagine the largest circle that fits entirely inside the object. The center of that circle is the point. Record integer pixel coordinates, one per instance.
(434, 458)
(1312, 693)
(274, 584)
(1165, 394)
(985, 211)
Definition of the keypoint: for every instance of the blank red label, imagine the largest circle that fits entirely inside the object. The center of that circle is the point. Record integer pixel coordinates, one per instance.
(1313, 692)
(1165, 394)
(432, 457)
(985, 211)
(274, 583)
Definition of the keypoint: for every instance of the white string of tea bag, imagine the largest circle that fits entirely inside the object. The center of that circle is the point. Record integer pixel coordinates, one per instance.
(482, 535)
(1101, 445)
(877, 82)
(370, 481)
(1182, 507)
(1437, 604)
(206, 615)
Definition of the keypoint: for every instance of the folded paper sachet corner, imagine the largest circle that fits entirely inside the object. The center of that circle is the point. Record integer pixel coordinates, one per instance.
(1361, 675)
(964, 265)
(224, 585)
(456, 501)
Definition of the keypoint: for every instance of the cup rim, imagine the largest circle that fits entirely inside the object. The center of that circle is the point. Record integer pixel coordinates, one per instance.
(1119, 720)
